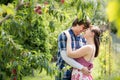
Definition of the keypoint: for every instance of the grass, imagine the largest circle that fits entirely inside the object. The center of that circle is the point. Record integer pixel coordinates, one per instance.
(39, 76)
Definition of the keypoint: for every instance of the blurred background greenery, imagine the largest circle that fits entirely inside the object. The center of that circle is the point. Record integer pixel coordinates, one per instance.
(29, 31)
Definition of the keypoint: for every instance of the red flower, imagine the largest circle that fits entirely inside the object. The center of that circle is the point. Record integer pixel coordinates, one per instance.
(62, 1)
(45, 3)
(37, 9)
(39, 12)
(14, 71)
(14, 78)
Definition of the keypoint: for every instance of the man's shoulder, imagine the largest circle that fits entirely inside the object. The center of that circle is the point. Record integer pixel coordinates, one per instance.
(63, 33)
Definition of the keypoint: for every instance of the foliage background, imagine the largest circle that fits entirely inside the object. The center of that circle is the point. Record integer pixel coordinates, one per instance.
(28, 40)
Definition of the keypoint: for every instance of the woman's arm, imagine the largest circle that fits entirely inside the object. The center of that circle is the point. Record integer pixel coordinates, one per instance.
(74, 63)
(77, 53)
(70, 61)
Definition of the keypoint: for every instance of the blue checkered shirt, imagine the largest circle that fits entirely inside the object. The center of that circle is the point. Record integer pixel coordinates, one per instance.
(77, 42)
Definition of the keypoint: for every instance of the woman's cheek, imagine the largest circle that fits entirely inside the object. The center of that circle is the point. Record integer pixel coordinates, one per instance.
(84, 35)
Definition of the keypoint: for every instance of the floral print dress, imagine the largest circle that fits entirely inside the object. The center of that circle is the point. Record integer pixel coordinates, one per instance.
(77, 74)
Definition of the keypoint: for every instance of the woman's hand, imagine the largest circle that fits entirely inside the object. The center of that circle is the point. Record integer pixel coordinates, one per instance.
(67, 35)
(85, 71)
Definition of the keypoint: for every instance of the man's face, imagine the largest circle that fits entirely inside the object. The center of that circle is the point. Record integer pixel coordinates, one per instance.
(80, 29)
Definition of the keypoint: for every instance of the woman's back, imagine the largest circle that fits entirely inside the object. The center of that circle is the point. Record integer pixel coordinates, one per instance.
(88, 59)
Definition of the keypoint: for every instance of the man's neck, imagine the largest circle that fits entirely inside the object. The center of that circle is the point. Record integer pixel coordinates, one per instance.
(74, 31)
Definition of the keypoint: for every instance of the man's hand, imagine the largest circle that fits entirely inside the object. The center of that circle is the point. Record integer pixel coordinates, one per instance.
(85, 71)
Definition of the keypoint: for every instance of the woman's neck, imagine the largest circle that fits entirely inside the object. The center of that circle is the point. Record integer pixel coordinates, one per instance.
(90, 41)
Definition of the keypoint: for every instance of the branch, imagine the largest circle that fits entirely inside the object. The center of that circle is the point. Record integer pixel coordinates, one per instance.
(6, 17)
(19, 5)
(17, 8)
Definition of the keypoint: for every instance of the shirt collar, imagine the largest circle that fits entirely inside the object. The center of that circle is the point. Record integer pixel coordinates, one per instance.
(71, 32)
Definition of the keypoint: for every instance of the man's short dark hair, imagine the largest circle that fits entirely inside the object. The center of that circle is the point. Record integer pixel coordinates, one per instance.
(81, 22)
(87, 24)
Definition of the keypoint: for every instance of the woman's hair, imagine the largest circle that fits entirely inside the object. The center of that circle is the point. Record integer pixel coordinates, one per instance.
(96, 40)
(81, 22)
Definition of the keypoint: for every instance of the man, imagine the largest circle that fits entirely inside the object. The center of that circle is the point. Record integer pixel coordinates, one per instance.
(77, 42)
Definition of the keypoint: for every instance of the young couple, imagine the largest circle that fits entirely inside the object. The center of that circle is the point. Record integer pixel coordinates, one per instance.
(78, 51)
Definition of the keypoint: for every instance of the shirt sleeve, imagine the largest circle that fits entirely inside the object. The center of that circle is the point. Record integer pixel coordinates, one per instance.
(70, 61)
(62, 41)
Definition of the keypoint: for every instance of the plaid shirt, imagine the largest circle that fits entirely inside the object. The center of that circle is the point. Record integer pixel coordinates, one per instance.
(77, 42)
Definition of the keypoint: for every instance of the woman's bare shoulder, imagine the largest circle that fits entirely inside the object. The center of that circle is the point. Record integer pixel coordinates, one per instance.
(88, 48)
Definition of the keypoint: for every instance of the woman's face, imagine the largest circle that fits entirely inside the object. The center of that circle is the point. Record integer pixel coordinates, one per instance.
(88, 33)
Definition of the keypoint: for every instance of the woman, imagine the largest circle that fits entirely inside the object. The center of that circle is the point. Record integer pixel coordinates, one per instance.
(85, 54)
